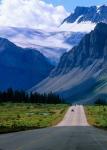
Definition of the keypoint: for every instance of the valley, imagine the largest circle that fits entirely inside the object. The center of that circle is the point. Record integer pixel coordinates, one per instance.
(53, 75)
(80, 75)
(68, 60)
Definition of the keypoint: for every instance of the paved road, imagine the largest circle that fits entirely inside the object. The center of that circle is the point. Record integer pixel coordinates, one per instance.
(58, 138)
(76, 117)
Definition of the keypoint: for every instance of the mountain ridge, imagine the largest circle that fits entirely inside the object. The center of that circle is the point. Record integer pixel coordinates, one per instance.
(79, 70)
(21, 68)
(95, 14)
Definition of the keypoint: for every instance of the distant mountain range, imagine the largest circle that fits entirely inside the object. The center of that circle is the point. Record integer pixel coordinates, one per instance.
(82, 72)
(21, 68)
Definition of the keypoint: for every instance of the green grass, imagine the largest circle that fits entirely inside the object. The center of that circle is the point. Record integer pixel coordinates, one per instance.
(17, 117)
(97, 116)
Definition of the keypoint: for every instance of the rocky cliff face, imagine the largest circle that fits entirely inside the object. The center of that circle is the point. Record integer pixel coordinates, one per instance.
(92, 47)
(79, 70)
(94, 14)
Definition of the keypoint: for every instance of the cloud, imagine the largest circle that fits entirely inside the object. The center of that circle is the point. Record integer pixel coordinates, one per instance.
(30, 13)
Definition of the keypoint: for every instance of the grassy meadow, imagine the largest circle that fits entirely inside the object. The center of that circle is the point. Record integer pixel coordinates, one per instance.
(97, 116)
(21, 116)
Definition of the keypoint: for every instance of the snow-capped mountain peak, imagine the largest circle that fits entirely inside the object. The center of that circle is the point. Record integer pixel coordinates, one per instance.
(94, 14)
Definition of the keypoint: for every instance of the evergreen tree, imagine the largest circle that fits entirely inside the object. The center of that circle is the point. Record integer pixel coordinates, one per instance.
(23, 97)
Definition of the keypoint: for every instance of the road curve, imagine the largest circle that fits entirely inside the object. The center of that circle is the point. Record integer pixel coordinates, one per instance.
(77, 137)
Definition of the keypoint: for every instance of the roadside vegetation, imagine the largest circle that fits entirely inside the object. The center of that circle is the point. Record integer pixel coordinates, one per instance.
(22, 111)
(21, 116)
(97, 114)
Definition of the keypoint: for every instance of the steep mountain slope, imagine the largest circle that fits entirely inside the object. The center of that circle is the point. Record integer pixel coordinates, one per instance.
(82, 71)
(21, 68)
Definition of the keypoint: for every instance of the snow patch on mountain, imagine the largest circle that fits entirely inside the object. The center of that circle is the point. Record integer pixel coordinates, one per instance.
(78, 27)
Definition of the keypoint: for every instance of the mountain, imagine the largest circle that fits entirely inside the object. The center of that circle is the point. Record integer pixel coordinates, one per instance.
(21, 68)
(84, 19)
(94, 14)
(52, 44)
(81, 74)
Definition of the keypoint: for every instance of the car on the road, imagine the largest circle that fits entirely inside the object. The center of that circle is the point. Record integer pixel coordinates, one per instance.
(72, 110)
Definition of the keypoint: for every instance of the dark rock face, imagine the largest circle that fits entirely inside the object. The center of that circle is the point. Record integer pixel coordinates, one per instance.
(21, 68)
(92, 47)
(81, 74)
(94, 14)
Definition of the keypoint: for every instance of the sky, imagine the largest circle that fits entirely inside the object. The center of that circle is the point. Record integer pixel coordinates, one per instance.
(39, 14)
(31, 14)
(71, 4)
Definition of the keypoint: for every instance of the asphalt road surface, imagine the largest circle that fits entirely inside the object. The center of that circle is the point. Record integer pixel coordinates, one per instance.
(77, 135)
(75, 116)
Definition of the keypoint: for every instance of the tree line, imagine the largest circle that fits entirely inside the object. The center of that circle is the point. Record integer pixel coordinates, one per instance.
(101, 101)
(23, 97)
